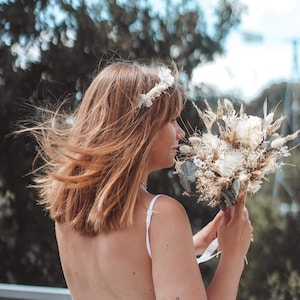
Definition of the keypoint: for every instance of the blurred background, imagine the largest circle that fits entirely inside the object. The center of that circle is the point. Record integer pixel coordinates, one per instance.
(246, 51)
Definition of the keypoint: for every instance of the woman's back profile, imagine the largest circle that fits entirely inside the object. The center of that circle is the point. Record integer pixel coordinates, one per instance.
(112, 243)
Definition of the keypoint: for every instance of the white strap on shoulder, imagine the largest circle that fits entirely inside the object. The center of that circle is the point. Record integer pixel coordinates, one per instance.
(148, 221)
(208, 254)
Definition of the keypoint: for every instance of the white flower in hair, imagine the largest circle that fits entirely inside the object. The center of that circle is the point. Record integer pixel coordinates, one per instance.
(166, 81)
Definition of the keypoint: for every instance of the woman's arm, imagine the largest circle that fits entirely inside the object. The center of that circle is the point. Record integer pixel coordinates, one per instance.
(207, 234)
(175, 272)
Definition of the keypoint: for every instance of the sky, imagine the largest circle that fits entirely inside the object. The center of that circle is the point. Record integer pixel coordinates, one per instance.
(247, 68)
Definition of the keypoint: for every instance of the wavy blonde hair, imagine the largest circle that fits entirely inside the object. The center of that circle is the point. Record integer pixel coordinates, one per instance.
(95, 160)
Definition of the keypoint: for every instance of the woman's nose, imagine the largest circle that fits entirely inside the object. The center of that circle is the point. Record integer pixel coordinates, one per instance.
(180, 133)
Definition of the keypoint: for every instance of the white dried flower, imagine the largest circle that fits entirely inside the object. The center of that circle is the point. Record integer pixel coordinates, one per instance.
(249, 131)
(195, 140)
(166, 76)
(269, 118)
(210, 141)
(229, 163)
(185, 149)
(282, 140)
(166, 81)
(229, 107)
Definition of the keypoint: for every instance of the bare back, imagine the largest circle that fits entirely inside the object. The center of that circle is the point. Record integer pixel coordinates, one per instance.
(109, 266)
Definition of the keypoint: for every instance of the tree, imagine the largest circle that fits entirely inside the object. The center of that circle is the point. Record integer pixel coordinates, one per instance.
(49, 50)
(273, 270)
(273, 266)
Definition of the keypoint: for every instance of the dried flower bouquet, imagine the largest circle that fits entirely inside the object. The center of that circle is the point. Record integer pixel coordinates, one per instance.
(234, 155)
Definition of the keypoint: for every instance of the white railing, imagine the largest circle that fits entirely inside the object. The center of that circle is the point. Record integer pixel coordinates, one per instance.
(28, 292)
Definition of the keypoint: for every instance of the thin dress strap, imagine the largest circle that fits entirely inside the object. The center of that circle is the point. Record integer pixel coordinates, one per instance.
(148, 221)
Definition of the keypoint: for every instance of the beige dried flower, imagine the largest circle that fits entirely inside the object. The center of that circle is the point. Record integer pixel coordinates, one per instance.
(235, 148)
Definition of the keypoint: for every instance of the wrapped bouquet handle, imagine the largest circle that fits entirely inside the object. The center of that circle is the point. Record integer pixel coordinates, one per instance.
(230, 195)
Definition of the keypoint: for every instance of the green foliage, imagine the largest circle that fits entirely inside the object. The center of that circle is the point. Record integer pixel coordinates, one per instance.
(273, 257)
(288, 289)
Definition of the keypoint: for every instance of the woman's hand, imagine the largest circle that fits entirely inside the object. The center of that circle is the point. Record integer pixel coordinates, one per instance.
(234, 237)
(235, 231)
(207, 234)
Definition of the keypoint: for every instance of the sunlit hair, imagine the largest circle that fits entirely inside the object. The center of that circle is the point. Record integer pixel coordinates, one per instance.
(94, 160)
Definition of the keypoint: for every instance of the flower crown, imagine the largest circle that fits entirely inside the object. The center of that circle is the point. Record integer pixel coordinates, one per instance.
(166, 81)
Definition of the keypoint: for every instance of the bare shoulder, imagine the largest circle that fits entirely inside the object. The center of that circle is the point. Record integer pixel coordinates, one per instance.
(168, 206)
(170, 219)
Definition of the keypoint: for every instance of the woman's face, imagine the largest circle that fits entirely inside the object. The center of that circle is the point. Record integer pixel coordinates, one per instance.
(165, 146)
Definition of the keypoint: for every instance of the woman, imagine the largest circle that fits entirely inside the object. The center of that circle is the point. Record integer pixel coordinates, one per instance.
(115, 239)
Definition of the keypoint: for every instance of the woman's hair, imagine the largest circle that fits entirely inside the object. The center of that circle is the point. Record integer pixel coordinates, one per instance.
(95, 159)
